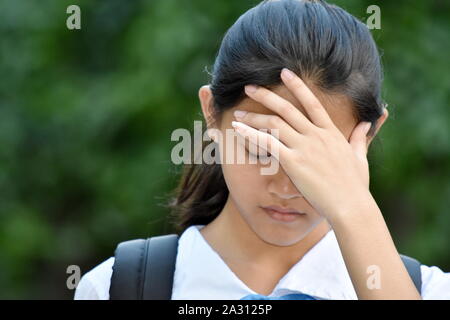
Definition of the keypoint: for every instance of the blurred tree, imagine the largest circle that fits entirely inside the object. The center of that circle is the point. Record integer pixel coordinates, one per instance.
(86, 117)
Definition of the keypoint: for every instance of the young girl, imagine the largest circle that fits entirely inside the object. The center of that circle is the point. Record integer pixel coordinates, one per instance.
(311, 230)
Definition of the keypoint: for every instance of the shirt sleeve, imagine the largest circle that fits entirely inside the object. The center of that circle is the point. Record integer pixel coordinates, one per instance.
(435, 283)
(94, 285)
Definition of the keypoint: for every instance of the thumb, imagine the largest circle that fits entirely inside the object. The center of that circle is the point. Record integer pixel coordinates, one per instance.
(358, 139)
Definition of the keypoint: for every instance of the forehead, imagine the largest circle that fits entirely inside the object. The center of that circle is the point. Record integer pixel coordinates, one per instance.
(338, 106)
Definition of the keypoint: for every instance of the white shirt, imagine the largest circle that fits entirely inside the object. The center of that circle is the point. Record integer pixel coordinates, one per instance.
(201, 274)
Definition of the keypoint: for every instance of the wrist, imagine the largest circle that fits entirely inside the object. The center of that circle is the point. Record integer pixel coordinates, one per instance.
(360, 206)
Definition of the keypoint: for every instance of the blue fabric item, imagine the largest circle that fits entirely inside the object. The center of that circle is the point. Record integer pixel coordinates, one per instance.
(291, 296)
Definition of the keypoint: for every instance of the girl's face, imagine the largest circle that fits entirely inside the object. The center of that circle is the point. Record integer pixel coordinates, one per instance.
(250, 190)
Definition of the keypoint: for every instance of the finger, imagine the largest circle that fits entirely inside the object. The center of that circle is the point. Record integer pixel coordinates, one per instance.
(252, 149)
(317, 113)
(264, 140)
(280, 106)
(286, 133)
(358, 139)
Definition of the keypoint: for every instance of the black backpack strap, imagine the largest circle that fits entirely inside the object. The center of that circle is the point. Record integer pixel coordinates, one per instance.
(413, 267)
(144, 268)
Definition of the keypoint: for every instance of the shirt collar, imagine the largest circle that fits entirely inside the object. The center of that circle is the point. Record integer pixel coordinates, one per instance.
(320, 273)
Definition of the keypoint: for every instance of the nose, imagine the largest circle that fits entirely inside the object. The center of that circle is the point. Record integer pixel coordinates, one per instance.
(281, 186)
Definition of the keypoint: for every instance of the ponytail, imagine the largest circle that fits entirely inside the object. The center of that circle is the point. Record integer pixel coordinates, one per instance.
(200, 195)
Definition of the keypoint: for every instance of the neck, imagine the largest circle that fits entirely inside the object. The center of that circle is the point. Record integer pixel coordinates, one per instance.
(233, 239)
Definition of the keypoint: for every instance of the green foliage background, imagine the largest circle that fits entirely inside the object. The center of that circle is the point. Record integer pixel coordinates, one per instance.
(86, 117)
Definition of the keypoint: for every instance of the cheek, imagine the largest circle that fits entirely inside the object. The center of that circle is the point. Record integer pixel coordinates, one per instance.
(243, 180)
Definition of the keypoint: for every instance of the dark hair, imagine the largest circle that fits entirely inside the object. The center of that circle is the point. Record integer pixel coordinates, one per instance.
(319, 42)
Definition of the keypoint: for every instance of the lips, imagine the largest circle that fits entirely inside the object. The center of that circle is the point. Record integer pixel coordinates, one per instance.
(284, 215)
(283, 210)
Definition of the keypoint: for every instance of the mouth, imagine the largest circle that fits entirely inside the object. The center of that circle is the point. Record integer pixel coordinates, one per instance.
(283, 214)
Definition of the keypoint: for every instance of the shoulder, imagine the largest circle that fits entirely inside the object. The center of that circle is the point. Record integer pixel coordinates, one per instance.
(435, 283)
(94, 285)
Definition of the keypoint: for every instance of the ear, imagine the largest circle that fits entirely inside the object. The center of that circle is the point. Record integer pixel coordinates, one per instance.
(206, 101)
(379, 123)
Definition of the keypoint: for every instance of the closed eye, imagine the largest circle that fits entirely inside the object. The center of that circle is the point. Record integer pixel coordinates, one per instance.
(263, 155)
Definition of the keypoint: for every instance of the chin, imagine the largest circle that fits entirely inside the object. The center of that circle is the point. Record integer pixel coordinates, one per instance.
(280, 235)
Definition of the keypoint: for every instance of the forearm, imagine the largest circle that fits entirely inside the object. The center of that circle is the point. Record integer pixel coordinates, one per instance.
(366, 244)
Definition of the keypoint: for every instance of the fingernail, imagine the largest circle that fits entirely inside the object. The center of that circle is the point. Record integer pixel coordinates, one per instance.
(288, 74)
(239, 114)
(250, 88)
